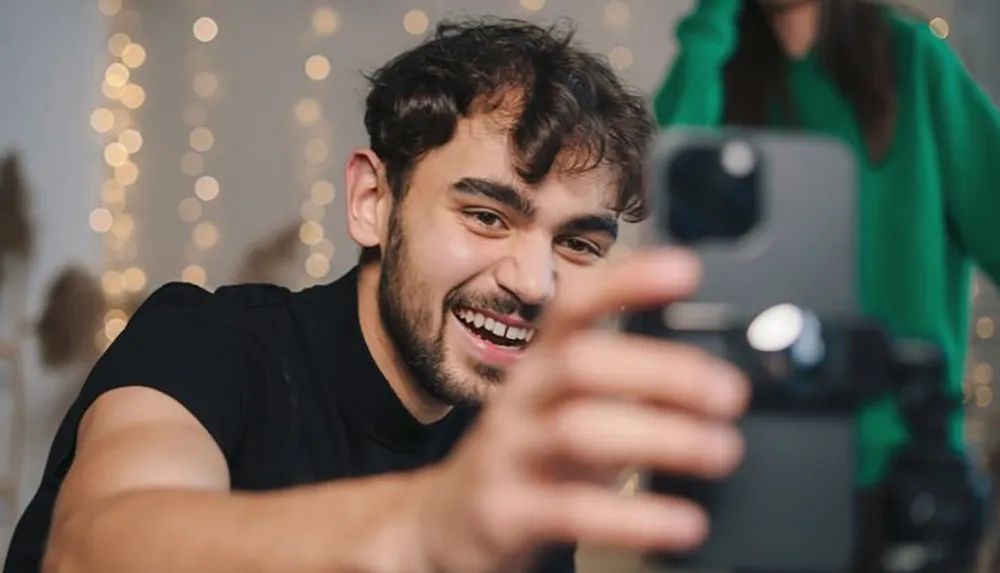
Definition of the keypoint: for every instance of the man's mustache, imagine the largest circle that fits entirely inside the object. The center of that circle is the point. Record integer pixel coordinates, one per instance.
(501, 303)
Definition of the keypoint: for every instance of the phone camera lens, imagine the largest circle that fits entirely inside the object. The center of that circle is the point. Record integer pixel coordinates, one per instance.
(713, 193)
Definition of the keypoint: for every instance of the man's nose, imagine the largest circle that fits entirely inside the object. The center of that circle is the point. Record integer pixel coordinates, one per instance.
(529, 275)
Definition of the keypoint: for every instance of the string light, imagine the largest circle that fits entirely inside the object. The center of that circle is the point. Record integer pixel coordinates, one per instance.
(122, 142)
(940, 27)
(617, 14)
(620, 58)
(205, 85)
(205, 29)
(416, 22)
(316, 141)
(325, 21)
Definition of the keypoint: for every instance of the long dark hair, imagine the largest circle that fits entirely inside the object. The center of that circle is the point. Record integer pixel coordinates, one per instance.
(854, 46)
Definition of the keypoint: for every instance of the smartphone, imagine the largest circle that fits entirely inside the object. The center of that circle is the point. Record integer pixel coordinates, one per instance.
(773, 217)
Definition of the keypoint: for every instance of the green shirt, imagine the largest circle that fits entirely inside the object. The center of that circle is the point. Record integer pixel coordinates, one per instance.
(927, 211)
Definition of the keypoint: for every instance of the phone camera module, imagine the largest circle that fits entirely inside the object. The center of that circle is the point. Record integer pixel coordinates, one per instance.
(713, 192)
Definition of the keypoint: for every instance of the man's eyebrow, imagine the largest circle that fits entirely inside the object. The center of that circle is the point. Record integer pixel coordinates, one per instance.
(499, 192)
(605, 223)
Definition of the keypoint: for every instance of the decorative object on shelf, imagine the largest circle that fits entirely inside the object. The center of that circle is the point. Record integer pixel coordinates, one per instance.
(270, 260)
(73, 311)
(16, 245)
(16, 234)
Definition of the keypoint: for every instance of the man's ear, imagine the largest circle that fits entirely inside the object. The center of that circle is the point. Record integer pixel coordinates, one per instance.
(369, 200)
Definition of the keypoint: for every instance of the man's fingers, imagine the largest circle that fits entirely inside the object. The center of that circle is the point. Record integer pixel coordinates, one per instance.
(641, 280)
(633, 367)
(602, 433)
(591, 514)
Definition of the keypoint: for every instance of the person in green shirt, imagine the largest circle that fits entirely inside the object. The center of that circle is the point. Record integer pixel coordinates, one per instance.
(927, 141)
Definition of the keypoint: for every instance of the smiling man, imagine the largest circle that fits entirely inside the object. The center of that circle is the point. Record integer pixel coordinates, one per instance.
(339, 429)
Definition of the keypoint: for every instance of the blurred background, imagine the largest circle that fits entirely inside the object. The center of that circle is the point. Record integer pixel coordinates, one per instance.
(204, 140)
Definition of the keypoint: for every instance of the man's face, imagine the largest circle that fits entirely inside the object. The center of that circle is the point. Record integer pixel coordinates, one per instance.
(473, 255)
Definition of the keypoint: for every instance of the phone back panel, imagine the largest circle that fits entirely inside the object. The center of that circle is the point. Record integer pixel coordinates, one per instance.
(802, 251)
(789, 506)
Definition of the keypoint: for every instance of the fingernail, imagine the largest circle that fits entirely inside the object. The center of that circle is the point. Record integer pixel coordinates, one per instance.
(686, 525)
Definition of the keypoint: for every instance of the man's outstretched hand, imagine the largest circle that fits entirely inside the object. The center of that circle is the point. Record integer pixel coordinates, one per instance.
(583, 404)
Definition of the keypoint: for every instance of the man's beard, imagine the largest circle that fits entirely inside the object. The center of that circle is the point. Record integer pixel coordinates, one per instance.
(407, 318)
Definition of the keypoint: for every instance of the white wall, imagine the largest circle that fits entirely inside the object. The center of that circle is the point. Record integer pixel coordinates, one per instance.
(50, 60)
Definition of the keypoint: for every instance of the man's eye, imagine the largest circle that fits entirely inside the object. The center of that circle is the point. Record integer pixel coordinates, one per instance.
(487, 219)
(581, 246)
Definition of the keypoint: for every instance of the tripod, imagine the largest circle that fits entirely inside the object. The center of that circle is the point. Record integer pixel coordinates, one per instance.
(926, 516)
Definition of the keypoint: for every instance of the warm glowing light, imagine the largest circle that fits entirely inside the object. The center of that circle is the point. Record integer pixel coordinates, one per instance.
(102, 120)
(325, 248)
(983, 373)
(111, 283)
(194, 274)
(115, 314)
(115, 154)
(532, 5)
(317, 67)
(415, 22)
(205, 29)
(110, 91)
(325, 21)
(311, 233)
(322, 192)
(940, 27)
(134, 55)
(206, 188)
(123, 227)
(127, 174)
(117, 44)
(317, 151)
(134, 279)
(109, 7)
(192, 164)
(616, 13)
(311, 211)
(131, 139)
(114, 327)
(308, 111)
(189, 210)
(112, 192)
(620, 58)
(101, 220)
(205, 84)
(195, 115)
(201, 139)
(317, 266)
(117, 75)
(133, 96)
(984, 328)
(205, 235)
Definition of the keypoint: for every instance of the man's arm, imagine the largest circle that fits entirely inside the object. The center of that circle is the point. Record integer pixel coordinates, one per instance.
(148, 491)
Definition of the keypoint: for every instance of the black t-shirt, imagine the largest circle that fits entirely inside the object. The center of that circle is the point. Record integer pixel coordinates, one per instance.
(283, 382)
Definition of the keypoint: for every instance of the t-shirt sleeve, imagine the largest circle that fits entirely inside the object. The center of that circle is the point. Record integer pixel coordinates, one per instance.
(181, 344)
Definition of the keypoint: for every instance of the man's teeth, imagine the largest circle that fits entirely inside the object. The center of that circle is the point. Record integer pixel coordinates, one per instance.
(498, 328)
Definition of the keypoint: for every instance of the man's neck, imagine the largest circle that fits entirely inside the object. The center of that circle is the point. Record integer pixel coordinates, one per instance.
(423, 407)
(797, 28)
